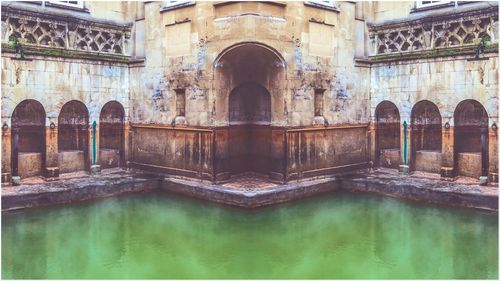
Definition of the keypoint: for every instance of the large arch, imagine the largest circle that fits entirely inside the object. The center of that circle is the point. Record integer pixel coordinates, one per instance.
(28, 139)
(73, 137)
(471, 139)
(388, 135)
(250, 82)
(426, 137)
(111, 135)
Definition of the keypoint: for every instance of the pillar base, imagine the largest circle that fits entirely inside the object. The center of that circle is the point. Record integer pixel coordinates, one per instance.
(95, 169)
(404, 169)
(51, 173)
(447, 173)
(16, 180)
(494, 177)
(6, 178)
(483, 180)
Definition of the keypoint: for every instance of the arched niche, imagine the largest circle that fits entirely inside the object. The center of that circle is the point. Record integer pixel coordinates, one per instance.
(426, 137)
(111, 135)
(471, 138)
(28, 139)
(388, 135)
(73, 137)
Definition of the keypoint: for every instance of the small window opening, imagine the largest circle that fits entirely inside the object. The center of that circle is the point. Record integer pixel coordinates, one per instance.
(318, 102)
(180, 99)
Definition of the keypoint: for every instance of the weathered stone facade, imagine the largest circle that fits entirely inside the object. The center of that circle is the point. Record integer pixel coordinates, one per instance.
(213, 89)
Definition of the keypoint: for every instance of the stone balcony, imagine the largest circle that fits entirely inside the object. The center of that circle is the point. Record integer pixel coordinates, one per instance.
(436, 33)
(62, 34)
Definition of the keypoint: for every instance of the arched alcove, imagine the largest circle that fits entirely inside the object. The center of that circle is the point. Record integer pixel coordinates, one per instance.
(388, 135)
(28, 139)
(73, 137)
(426, 137)
(471, 139)
(250, 82)
(111, 135)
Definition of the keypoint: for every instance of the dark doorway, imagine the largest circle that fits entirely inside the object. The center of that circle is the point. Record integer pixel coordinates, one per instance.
(28, 139)
(388, 135)
(471, 139)
(249, 129)
(73, 137)
(111, 135)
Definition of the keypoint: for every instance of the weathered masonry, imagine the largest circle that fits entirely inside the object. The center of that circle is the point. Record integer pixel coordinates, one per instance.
(210, 90)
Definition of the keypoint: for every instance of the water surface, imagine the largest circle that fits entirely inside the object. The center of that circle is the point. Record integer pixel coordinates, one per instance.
(158, 235)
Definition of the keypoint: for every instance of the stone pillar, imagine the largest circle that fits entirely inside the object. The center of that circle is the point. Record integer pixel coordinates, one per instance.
(493, 153)
(372, 145)
(126, 144)
(6, 155)
(95, 168)
(405, 148)
(483, 179)
(448, 153)
(51, 164)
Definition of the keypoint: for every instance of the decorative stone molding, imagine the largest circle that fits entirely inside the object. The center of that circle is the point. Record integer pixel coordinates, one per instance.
(435, 32)
(45, 30)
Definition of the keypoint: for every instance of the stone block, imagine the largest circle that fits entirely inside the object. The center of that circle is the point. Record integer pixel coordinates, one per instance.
(109, 158)
(30, 164)
(428, 161)
(469, 164)
(390, 158)
(71, 161)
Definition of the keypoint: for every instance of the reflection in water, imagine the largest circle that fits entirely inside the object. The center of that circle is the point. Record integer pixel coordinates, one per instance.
(164, 236)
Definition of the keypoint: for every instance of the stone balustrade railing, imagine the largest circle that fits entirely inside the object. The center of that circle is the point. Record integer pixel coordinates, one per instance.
(63, 32)
(434, 32)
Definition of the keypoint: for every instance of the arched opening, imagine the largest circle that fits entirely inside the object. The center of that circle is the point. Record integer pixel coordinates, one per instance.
(250, 79)
(111, 136)
(28, 139)
(249, 134)
(73, 137)
(471, 139)
(426, 137)
(388, 135)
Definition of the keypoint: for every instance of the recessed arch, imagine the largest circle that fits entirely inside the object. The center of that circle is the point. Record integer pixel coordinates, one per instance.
(248, 43)
(111, 135)
(73, 137)
(387, 141)
(471, 138)
(28, 139)
(426, 137)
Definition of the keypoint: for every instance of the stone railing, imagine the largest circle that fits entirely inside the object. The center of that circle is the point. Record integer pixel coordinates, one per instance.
(63, 32)
(435, 32)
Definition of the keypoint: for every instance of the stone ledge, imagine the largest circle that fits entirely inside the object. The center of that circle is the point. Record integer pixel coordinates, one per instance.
(393, 185)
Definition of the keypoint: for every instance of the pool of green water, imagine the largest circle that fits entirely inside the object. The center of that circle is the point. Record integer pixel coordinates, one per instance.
(158, 235)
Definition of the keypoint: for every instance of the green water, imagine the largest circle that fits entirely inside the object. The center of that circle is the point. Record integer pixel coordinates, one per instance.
(158, 235)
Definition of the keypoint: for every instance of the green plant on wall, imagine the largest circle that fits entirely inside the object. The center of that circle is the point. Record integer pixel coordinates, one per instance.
(16, 45)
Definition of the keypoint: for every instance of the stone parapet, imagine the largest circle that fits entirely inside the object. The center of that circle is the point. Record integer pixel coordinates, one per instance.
(452, 30)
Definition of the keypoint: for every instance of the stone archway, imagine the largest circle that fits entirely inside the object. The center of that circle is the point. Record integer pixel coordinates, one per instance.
(471, 139)
(28, 139)
(111, 135)
(250, 79)
(426, 137)
(388, 135)
(73, 137)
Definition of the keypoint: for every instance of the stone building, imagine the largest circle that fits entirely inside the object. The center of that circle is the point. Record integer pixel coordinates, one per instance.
(209, 90)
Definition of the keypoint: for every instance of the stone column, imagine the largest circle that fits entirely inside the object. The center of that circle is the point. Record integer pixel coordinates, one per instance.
(493, 153)
(372, 145)
(405, 147)
(447, 153)
(95, 168)
(51, 166)
(126, 144)
(6, 154)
